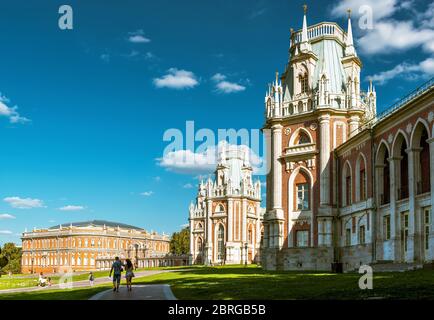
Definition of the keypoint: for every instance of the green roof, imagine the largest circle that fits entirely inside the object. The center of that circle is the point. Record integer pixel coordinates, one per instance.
(97, 223)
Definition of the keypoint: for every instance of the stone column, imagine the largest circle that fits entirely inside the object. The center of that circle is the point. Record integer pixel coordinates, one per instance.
(230, 218)
(277, 167)
(244, 221)
(431, 233)
(394, 220)
(192, 242)
(266, 236)
(414, 236)
(354, 125)
(324, 123)
(209, 234)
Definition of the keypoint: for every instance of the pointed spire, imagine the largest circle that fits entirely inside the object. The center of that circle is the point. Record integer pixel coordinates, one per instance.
(304, 45)
(304, 36)
(349, 49)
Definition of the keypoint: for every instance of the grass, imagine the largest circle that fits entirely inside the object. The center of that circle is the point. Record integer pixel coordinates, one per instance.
(23, 281)
(237, 282)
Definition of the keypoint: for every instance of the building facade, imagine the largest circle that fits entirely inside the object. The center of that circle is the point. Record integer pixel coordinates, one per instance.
(345, 186)
(90, 245)
(225, 220)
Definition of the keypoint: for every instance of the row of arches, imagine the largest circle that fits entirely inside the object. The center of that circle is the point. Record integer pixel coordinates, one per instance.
(405, 156)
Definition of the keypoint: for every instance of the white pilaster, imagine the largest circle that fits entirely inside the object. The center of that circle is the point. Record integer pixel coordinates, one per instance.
(324, 123)
(394, 221)
(277, 167)
(230, 220)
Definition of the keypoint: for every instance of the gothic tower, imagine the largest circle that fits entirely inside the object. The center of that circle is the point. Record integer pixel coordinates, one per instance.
(314, 106)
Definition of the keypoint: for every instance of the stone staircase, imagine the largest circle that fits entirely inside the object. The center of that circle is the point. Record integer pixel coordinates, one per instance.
(390, 266)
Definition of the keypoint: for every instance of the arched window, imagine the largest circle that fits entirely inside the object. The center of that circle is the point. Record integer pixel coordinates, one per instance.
(300, 107)
(220, 208)
(401, 171)
(347, 185)
(361, 177)
(220, 242)
(421, 159)
(303, 138)
(301, 192)
(383, 174)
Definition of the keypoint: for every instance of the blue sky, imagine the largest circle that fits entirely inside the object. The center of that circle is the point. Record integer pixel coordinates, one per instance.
(83, 111)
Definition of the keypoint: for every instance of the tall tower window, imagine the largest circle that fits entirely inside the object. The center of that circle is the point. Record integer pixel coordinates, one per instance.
(304, 83)
(303, 196)
(220, 242)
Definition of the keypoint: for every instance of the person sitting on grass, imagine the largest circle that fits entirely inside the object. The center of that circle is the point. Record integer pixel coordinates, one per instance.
(117, 271)
(42, 281)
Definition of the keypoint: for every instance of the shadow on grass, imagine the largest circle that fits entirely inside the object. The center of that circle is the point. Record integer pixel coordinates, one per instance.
(254, 283)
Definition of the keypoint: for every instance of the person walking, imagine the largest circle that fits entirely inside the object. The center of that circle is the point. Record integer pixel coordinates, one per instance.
(129, 267)
(91, 278)
(117, 272)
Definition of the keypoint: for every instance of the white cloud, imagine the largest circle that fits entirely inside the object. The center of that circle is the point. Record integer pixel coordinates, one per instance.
(218, 77)
(71, 208)
(406, 71)
(24, 203)
(380, 9)
(10, 112)
(5, 232)
(157, 179)
(177, 79)
(189, 162)
(138, 37)
(147, 193)
(389, 36)
(224, 86)
(229, 87)
(4, 216)
(187, 186)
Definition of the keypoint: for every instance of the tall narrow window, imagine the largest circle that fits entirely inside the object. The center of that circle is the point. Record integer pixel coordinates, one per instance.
(348, 189)
(220, 242)
(362, 235)
(304, 83)
(404, 231)
(303, 196)
(348, 237)
(386, 227)
(362, 184)
(427, 220)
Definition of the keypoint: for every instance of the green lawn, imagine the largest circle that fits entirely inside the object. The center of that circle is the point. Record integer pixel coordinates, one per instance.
(236, 282)
(15, 281)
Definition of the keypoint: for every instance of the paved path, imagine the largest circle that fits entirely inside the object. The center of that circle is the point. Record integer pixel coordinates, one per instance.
(139, 292)
(83, 283)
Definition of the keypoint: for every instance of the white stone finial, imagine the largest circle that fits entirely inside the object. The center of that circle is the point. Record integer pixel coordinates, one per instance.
(349, 49)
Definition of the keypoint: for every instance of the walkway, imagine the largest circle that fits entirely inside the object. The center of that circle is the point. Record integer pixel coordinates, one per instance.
(139, 292)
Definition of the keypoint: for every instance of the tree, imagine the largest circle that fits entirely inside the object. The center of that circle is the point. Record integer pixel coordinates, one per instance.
(3, 261)
(180, 242)
(12, 254)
